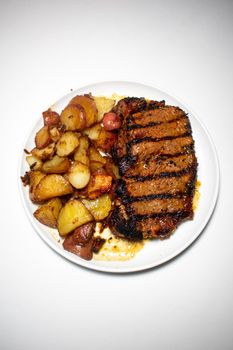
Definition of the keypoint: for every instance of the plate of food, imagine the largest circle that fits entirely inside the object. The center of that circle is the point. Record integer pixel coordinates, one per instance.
(118, 176)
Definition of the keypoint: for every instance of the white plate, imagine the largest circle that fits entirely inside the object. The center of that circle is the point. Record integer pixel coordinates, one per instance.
(155, 252)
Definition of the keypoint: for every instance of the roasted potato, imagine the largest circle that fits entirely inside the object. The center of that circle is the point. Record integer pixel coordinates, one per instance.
(51, 118)
(99, 207)
(95, 156)
(34, 162)
(43, 137)
(88, 103)
(98, 184)
(94, 166)
(84, 251)
(56, 165)
(52, 185)
(103, 105)
(93, 132)
(35, 177)
(105, 140)
(47, 213)
(73, 117)
(67, 144)
(82, 152)
(55, 133)
(79, 175)
(44, 153)
(72, 215)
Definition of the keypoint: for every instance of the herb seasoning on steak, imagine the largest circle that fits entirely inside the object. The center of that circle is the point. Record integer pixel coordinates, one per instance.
(156, 158)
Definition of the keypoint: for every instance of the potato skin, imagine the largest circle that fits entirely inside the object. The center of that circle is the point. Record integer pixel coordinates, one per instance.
(43, 137)
(74, 117)
(88, 103)
(51, 118)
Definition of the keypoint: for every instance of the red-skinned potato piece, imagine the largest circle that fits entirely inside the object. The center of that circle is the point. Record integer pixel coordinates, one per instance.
(51, 118)
(111, 121)
(74, 117)
(43, 137)
(80, 242)
(88, 103)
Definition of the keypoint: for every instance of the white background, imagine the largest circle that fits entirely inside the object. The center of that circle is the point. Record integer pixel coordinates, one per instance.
(48, 48)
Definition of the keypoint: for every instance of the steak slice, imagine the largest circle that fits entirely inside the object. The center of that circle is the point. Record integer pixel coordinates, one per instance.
(156, 157)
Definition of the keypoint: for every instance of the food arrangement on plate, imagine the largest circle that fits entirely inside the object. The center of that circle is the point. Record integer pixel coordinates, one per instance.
(111, 172)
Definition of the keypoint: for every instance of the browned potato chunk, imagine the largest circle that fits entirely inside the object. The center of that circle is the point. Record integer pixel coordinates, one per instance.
(51, 118)
(105, 140)
(98, 184)
(56, 165)
(99, 207)
(43, 137)
(95, 156)
(79, 175)
(73, 117)
(94, 166)
(103, 105)
(52, 185)
(35, 177)
(84, 251)
(88, 103)
(112, 169)
(72, 215)
(34, 162)
(67, 144)
(47, 214)
(44, 153)
(93, 132)
(55, 134)
(81, 153)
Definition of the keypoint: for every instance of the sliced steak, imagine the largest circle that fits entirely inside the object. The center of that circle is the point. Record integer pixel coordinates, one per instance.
(157, 162)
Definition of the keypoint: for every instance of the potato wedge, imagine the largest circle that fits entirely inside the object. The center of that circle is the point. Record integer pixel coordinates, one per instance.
(47, 214)
(35, 177)
(73, 117)
(105, 140)
(95, 155)
(79, 175)
(67, 144)
(52, 185)
(82, 152)
(44, 153)
(51, 118)
(88, 103)
(99, 207)
(56, 165)
(43, 137)
(98, 184)
(103, 105)
(72, 215)
(34, 162)
(93, 132)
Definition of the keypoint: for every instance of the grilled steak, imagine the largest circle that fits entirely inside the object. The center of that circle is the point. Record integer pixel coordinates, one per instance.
(156, 158)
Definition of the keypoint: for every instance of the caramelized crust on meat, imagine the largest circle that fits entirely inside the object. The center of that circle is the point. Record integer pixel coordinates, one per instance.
(157, 162)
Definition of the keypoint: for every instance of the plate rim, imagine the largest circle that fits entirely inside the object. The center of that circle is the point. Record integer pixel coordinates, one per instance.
(87, 264)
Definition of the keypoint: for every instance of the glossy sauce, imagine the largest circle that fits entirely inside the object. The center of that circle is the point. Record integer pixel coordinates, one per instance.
(197, 194)
(117, 249)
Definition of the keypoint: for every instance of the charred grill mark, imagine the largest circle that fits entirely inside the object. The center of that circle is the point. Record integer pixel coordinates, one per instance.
(161, 175)
(178, 215)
